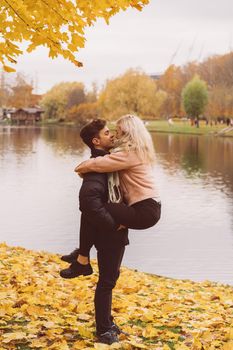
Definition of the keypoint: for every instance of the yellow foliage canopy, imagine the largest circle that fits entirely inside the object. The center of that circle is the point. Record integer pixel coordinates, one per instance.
(132, 92)
(58, 25)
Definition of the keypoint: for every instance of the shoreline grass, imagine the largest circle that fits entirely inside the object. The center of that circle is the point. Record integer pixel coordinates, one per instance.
(158, 126)
(39, 310)
(180, 127)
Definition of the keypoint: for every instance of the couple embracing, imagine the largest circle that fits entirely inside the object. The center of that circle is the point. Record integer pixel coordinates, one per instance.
(118, 193)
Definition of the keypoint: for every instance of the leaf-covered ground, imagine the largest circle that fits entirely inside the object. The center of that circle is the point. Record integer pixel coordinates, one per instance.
(40, 310)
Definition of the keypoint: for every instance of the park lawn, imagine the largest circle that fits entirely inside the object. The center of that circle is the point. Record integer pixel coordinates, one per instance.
(185, 128)
(39, 310)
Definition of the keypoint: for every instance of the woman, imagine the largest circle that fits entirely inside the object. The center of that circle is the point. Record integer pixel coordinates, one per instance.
(132, 157)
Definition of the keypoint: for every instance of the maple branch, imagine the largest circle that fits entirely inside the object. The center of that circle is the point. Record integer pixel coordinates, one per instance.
(64, 19)
(17, 14)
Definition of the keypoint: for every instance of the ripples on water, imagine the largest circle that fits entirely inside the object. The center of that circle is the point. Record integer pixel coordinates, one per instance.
(39, 200)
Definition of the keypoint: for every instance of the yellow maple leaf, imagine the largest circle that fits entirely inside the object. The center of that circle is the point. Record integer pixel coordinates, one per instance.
(34, 310)
(8, 337)
(207, 336)
(150, 331)
(197, 345)
(100, 346)
(228, 346)
(148, 316)
(8, 69)
(168, 307)
(137, 345)
(84, 332)
(79, 345)
(60, 345)
(84, 317)
(38, 343)
(231, 334)
(181, 347)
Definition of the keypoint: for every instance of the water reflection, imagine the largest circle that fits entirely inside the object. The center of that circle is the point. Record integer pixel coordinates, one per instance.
(63, 139)
(19, 141)
(23, 140)
(208, 158)
(39, 200)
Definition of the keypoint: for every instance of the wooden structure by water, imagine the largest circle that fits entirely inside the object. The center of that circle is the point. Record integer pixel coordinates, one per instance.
(26, 116)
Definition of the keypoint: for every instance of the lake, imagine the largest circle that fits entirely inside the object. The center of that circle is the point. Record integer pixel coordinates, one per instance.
(194, 238)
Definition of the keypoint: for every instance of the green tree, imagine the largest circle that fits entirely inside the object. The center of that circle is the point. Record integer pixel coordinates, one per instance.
(195, 97)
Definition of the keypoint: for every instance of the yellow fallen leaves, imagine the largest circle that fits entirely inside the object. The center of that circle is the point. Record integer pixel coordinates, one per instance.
(84, 332)
(8, 337)
(41, 311)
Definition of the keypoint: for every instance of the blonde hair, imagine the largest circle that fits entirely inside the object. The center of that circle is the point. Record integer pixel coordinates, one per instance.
(136, 137)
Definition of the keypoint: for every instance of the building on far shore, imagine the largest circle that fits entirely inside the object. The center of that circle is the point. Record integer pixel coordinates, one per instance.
(25, 116)
(156, 76)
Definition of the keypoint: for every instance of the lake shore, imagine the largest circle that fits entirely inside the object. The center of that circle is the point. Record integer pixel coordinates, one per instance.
(180, 127)
(40, 310)
(160, 126)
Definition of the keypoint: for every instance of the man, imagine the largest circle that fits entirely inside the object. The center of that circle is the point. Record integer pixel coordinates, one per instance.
(99, 225)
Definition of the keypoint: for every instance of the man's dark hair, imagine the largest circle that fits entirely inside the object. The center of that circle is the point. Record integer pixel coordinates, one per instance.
(91, 130)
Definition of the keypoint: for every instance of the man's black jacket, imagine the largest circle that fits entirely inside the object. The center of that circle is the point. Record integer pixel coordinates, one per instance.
(92, 197)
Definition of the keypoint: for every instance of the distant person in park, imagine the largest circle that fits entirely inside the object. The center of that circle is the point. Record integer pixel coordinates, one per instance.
(170, 121)
(196, 122)
(133, 199)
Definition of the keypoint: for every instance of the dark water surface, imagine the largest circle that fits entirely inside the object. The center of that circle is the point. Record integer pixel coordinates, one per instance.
(194, 239)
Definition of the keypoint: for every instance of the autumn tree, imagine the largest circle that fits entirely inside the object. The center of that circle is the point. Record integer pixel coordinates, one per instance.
(75, 95)
(172, 81)
(132, 92)
(4, 90)
(58, 25)
(17, 91)
(195, 97)
(61, 98)
(220, 102)
(91, 95)
(84, 112)
(21, 92)
(216, 71)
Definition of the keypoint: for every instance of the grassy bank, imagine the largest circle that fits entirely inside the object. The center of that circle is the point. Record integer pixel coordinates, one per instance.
(180, 127)
(40, 310)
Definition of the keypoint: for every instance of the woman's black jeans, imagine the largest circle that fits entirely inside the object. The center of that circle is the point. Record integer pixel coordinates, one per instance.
(139, 216)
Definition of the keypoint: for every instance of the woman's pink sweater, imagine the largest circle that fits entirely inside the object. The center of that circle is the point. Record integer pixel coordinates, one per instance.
(136, 178)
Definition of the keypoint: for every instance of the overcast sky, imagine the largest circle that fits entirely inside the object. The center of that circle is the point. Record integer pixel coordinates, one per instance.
(166, 31)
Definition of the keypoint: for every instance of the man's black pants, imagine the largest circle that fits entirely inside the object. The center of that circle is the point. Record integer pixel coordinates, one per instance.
(109, 262)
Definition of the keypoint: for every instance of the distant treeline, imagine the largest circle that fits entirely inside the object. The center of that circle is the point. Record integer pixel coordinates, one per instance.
(216, 71)
(132, 92)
